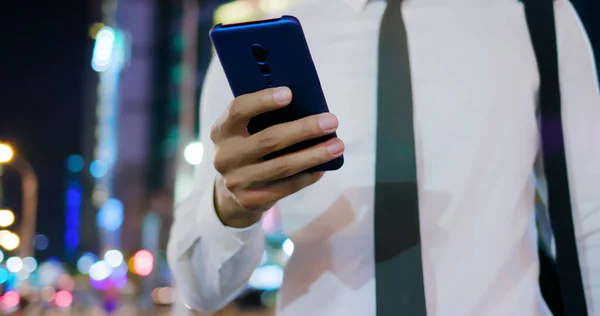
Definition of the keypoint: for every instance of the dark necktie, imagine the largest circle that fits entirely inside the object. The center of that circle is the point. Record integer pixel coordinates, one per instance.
(398, 265)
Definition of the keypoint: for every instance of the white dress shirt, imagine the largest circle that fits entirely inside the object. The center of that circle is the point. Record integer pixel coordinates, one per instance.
(475, 81)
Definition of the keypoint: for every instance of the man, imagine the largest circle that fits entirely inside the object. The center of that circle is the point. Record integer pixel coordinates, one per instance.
(474, 85)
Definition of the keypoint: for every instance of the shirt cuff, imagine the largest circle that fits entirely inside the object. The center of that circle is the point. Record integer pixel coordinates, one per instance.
(214, 233)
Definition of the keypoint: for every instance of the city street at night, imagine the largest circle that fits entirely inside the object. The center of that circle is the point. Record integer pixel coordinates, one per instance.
(300, 157)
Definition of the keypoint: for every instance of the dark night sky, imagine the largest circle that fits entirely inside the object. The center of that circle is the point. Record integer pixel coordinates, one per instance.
(44, 60)
(43, 64)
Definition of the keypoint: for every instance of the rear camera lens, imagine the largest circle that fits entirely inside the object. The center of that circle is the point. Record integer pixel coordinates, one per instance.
(260, 53)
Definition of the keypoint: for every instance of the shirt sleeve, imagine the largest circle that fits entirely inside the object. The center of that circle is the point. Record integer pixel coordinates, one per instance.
(581, 117)
(210, 263)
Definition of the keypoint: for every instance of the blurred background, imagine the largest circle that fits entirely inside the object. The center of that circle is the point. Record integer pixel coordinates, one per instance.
(99, 125)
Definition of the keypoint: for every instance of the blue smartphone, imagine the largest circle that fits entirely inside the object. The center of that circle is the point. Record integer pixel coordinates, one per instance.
(273, 53)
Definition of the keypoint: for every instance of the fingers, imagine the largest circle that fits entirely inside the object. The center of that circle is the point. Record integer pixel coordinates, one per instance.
(284, 166)
(243, 108)
(253, 148)
(256, 199)
(284, 135)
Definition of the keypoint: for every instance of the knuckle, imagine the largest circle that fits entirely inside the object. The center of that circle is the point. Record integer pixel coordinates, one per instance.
(219, 163)
(268, 140)
(282, 168)
(318, 158)
(231, 184)
(309, 127)
(234, 109)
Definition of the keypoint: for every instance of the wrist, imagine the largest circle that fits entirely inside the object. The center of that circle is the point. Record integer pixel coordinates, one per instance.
(230, 213)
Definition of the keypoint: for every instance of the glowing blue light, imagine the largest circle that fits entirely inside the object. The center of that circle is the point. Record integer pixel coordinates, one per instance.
(75, 163)
(110, 216)
(103, 49)
(41, 242)
(98, 169)
(49, 272)
(120, 271)
(85, 263)
(71, 239)
(30, 264)
(3, 275)
(72, 216)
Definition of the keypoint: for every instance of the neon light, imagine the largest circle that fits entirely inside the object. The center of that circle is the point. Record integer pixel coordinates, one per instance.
(110, 216)
(73, 201)
(103, 49)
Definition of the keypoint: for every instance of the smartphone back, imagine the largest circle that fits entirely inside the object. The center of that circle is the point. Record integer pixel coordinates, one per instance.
(273, 53)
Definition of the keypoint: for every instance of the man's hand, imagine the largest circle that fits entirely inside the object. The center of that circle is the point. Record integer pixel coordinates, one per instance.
(247, 185)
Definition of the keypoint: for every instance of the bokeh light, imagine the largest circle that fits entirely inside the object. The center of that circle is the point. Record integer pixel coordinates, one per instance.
(63, 299)
(95, 28)
(100, 271)
(236, 11)
(1, 255)
(66, 282)
(14, 264)
(49, 272)
(47, 294)
(98, 169)
(100, 284)
(267, 277)
(6, 153)
(3, 275)
(110, 216)
(23, 275)
(274, 6)
(113, 258)
(120, 271)
(75, 163)
(10, 241)
(30, 264)
(10, 300)
(103, 49)
(288, 247)
(41, 242)
(7, 218)
(85, 262)
(193, 153)
(143, 263)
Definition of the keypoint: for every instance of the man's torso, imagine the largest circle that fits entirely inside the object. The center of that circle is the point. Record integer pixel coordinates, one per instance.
(474, 83)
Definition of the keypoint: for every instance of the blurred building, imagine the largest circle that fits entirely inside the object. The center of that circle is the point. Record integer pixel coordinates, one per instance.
(149, 59)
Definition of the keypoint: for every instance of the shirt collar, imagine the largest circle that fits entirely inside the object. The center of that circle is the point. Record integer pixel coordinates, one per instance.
(357, 5)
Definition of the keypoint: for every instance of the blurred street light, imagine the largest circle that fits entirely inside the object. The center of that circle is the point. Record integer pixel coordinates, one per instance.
(193, 153)
(6, 153)
(103, 49)
(7, 218)
(29, 187)
(10, 241)
(14, 264)
(143, 263)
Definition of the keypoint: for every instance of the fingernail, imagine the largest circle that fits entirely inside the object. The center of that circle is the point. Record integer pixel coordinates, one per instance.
(282, 95)
(335, 148)
(328, 123)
